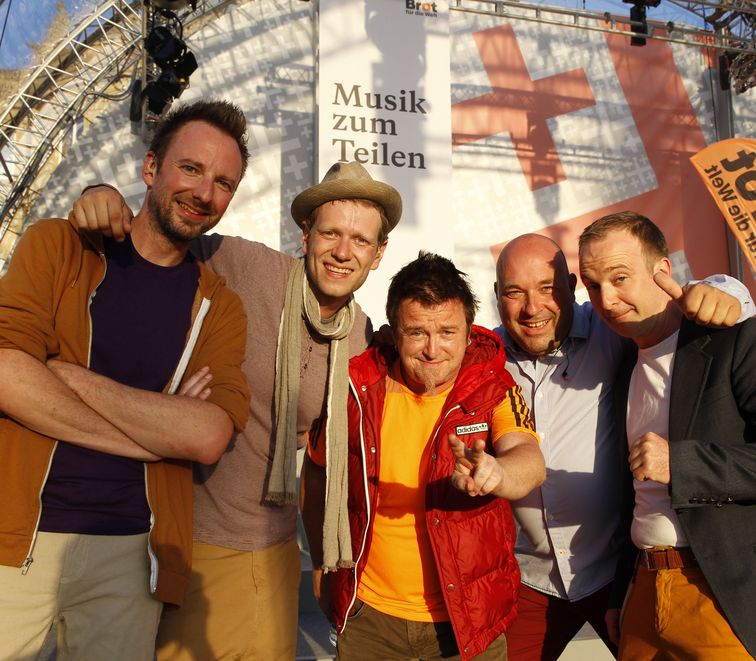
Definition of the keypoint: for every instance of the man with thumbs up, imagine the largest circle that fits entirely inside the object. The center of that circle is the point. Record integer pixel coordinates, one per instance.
(439, 439)
(686, 413)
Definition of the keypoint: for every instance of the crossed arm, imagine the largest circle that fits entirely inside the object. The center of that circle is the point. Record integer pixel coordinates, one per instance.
(175, 426)
(33, 396)
(73, 404)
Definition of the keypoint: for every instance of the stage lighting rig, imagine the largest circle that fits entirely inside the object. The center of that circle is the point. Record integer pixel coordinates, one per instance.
(736, 21)
(737, 71)
(176, 62)
(638, 23)
(168, 62)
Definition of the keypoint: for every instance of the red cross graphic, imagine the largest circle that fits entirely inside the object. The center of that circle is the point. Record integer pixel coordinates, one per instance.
(520, 106)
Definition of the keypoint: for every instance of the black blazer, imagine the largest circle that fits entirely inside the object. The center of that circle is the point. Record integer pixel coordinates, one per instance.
(712, 441)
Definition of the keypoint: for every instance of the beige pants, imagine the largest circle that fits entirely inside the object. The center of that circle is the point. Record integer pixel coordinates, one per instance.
(238, 605)
(93, 588)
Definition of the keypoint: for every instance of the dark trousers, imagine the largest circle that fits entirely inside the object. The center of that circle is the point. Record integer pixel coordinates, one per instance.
(371, 635)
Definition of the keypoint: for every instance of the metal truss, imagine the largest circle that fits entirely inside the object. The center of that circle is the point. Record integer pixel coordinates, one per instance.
(736, 18)
(739, 38)
(55, 95)
(99, 59)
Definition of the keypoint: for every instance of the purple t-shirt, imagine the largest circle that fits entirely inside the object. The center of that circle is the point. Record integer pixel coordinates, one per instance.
(141, 314)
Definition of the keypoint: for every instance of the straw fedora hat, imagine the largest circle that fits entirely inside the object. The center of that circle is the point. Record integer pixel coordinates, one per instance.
(345, 181)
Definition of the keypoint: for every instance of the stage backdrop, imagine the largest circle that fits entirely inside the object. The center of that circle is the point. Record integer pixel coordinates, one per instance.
(551, 128)
(383, 100)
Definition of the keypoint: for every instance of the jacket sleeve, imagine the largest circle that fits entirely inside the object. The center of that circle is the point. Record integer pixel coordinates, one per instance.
(222, 348)
(720, 471)
(30, 288)
(734, 288)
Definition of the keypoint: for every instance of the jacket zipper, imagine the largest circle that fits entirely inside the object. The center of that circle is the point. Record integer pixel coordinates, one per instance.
(434, 438)
(174, 384)
(367, 504)
(29, 557)
(154, 565)
(191, 342)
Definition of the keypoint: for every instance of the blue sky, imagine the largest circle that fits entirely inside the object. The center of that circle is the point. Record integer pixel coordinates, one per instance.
(27, 21)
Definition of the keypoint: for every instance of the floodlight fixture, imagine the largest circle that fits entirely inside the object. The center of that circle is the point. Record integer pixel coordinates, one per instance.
(169, 53)
(638, 23)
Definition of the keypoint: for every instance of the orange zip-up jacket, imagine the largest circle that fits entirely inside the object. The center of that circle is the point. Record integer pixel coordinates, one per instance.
(44, 311)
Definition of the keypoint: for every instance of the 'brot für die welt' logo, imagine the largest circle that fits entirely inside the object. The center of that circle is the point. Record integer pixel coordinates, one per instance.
(421, 8)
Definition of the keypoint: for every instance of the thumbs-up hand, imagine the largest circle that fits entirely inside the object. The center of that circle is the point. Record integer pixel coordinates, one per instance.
(702, 303)
(476, 472)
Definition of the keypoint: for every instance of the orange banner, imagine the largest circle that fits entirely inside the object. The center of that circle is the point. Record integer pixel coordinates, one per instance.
(728, 168)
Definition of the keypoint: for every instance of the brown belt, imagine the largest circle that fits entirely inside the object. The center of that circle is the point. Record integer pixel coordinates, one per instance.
(667, 557)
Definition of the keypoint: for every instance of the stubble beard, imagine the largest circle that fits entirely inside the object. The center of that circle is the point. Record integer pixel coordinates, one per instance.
(162, 219)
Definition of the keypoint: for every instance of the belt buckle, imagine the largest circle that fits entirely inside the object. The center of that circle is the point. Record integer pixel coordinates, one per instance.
(647, 559)
(652, 558)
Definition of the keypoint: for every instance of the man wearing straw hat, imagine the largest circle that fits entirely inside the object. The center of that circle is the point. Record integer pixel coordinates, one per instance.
(242, 599)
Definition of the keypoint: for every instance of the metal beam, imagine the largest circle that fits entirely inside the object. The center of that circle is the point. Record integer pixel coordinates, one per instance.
(608, 23)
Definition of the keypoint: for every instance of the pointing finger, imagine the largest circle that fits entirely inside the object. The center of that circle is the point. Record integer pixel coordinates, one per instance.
(460, 451)
(478, 451)
(457, 446)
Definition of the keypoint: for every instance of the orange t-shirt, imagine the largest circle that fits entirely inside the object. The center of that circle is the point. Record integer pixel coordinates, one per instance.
(400, 576)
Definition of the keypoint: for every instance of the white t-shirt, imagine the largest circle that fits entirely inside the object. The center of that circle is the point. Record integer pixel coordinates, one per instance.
(654, 521)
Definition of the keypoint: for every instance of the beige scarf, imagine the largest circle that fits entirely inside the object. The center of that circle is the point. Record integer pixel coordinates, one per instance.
(300, 303)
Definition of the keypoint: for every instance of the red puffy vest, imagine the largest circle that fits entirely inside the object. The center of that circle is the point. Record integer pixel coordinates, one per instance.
(472, 537)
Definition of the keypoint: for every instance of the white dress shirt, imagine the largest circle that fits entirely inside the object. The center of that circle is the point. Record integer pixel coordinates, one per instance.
(565, 544)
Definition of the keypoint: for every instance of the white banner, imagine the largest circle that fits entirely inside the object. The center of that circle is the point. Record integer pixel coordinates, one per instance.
(384, 100)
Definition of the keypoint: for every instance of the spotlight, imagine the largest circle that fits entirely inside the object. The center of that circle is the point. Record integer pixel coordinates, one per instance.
(170, 53)
(159, 92)
(176, 62)
(638, 23)
(163, 47)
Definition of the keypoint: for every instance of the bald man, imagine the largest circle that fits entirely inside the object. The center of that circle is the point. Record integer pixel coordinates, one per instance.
(565, 358)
